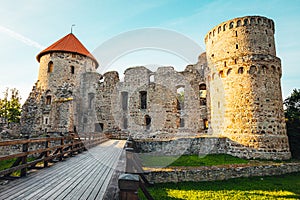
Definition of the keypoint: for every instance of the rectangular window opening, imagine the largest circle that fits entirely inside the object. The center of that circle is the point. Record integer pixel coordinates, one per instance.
(124, 100)
(181, 122)
(143, 99)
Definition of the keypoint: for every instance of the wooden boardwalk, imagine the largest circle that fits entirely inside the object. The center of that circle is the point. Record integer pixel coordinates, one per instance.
(85, 176)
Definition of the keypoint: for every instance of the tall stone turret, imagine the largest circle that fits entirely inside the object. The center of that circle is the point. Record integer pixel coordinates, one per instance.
(52, 103)
(244, 84)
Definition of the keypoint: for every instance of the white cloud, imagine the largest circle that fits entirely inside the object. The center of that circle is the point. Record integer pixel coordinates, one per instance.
(21, 38)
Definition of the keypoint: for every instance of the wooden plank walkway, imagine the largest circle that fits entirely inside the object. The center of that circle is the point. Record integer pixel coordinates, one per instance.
(85, 176)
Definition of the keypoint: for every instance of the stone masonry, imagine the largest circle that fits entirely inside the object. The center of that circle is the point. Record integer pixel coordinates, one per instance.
(232, 92)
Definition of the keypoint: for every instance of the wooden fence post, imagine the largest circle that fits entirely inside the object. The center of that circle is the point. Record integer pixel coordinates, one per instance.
(72, 136)
(46, 152)
(24, 158)
(62, 148)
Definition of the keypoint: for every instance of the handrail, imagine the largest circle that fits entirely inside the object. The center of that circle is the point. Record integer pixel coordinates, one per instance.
(50, 149)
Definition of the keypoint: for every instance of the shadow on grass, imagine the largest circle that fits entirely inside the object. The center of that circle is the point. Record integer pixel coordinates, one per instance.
(285, 186)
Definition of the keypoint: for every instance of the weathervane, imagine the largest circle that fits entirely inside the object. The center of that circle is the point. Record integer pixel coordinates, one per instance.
(72, 27)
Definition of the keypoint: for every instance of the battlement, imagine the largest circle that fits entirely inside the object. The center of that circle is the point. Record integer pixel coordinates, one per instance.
(248, 21)
(241, 36)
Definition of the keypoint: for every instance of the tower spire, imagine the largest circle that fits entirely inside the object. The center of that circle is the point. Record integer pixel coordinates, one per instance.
(72, 28)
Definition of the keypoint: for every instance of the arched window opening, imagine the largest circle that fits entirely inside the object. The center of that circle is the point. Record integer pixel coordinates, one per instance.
(236, 46)
(229, 72)
(238, 24)
(180, 98)
(48, 100)
(273, 68)
(209, 35)
(221, 74)
(264, 69)
(143, 99)
(224, 63)
(202, 94)
(219, 29)
(205, 124)
(72, 69)
(269, 23)
(259, 20)
(241, 70)
(235, 61)
(252, 69)
(252, 21)
(224, 27)
(214, 32)
(147, 122)
(246, 22)
(236, 34)
(46, 120)
(231, 25)
(50, 67)
(213, 76)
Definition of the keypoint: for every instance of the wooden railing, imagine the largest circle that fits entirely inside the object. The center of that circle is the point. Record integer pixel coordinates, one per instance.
(50, 149)
(133, 172)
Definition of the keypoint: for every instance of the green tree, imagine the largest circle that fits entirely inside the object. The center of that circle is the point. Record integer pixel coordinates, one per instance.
(292, 115)
(10, 109)
(292, 111)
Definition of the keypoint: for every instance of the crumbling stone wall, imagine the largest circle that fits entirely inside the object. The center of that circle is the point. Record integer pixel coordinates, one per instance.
(106, 107)
(161, 101)
(244, 85)
(233, 91)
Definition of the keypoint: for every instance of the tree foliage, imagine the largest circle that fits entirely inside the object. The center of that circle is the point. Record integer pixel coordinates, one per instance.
(292, 111)
(292, 114)
(10, 108)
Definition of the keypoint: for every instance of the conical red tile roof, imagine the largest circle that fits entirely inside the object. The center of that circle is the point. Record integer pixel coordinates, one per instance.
(69, 43)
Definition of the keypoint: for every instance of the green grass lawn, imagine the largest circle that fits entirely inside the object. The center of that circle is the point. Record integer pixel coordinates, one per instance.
(190, 160)
(5, 164)
(275, 187)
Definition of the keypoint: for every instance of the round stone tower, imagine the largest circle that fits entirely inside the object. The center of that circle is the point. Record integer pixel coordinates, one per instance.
(64, 61)
(243, 77)
(56, 98)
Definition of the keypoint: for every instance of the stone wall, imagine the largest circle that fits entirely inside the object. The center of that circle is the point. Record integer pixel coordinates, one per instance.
(221, 172)
(183, 146)
(160, 89)
(233, 92)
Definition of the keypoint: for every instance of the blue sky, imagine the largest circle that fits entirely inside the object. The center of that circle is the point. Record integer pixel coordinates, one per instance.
(28, 26)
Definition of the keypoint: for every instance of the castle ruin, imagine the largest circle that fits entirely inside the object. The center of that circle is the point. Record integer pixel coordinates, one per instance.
(232, 92)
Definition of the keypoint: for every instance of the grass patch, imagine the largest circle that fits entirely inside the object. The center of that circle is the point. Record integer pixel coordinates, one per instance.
(274, 187)
(5, 164)
(190, 160)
